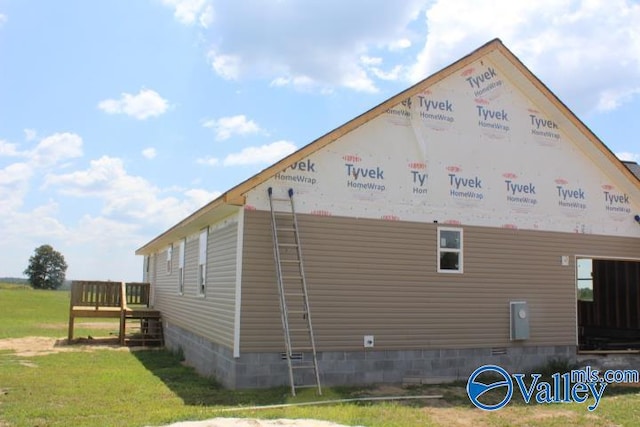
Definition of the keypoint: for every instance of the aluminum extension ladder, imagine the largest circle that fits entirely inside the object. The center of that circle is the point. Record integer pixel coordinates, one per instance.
(294, 298)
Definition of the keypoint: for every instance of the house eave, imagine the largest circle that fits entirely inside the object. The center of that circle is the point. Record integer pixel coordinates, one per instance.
(218, 209)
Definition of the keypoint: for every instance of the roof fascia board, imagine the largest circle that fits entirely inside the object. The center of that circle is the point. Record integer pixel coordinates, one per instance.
(213, 212)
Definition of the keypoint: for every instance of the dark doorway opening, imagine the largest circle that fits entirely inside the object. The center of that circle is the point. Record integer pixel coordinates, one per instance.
(608, 304)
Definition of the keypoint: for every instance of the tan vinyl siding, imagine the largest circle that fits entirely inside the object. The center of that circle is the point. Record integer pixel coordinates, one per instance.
(210, 316)
(379, 278)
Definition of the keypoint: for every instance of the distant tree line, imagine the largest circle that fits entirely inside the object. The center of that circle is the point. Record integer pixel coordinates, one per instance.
(14, 280)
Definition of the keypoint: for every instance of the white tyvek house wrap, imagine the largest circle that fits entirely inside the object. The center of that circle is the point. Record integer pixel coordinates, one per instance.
(470, 150)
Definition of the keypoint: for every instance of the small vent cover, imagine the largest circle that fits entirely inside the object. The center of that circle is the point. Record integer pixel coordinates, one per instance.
(294, 356)
(498, 351)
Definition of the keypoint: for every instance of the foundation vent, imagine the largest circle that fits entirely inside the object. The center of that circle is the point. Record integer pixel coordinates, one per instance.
(294, 356)
(498, 351)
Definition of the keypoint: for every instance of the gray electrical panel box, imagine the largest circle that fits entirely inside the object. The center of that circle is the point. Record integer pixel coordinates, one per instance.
(519, 311)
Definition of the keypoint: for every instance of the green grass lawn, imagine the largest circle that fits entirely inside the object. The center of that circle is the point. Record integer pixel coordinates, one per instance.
(107, 386)
(26, 312)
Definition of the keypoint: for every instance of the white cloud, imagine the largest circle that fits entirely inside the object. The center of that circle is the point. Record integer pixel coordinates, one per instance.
(208, 161)
(206, 17)
(30, 134)
(569, 45)
(8, 149)
(149, 153)
(56, 148)
(226, 127)
(15, 178)
(37, 224)
(201, 197)
(147, 103)
(226, 66)
(189, 11)
(14, 184)
(16, 172)
(400, 44)
(370, 60)
(297, 48)
(50, 151)
(269, 153)
(105, 231)
(301, 83)
(130, 211)
(631, 157)
(123, 195)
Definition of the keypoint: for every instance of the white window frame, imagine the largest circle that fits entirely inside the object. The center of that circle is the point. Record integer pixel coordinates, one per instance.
(169, 258)
(181, 257)
(202, 261)
(146, 267)
(442, 249)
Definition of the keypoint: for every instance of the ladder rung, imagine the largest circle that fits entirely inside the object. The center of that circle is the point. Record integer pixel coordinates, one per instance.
(307, 366)
(291, 277)
(294, 294)
(297, 311)
(288, 245)
(299, 330)
(306, 386)
(280, 199)
(288, 229)
(294, 349)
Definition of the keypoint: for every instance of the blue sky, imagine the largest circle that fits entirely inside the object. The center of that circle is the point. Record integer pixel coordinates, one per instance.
(119, 118)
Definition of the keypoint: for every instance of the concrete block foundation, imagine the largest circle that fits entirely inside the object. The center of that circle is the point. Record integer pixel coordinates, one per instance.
(358, 367)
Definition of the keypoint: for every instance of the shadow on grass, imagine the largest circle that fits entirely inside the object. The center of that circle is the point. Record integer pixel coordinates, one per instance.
(195, 389)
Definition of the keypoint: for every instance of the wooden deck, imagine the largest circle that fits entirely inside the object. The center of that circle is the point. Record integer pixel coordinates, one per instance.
(119, 300)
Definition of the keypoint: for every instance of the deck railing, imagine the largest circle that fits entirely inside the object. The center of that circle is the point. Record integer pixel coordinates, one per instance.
(96, 294)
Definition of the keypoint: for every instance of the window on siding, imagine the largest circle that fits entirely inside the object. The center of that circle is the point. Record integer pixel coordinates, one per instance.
(169, 256)
(202, 262)
(450, 250)
(181, 267)
(145, 272)
(584, 279)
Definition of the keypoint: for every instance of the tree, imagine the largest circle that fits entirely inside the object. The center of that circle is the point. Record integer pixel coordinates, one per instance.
(46, 269)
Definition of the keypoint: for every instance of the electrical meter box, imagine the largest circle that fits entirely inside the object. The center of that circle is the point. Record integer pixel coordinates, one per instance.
(519, 311)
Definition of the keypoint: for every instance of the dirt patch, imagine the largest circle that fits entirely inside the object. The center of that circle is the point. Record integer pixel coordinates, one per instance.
(456, 417)
(84, 325)
(40, 346)
(384, 390)
(543, 414)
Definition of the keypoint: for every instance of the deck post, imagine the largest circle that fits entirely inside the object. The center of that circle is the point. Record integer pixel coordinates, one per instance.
(123, 309)
(70, 333)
